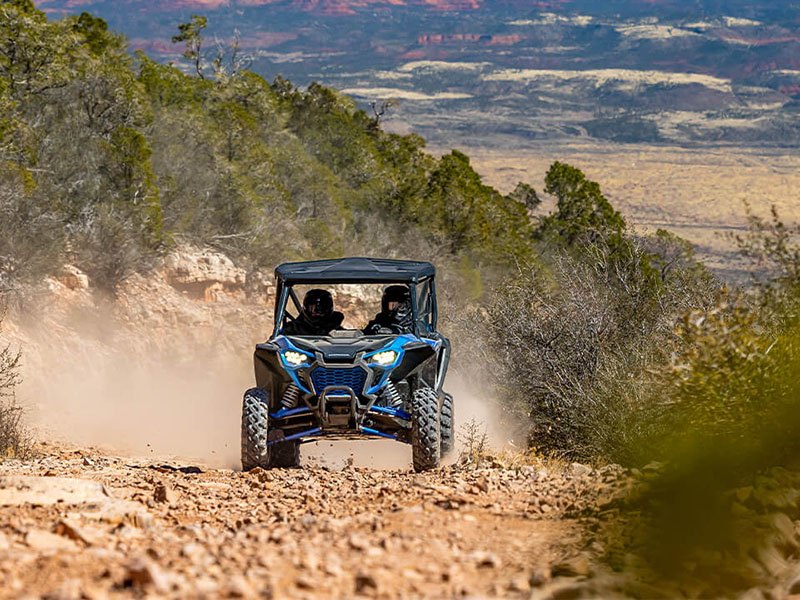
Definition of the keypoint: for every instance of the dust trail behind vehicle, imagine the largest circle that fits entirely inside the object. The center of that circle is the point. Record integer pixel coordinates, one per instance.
(163, 389)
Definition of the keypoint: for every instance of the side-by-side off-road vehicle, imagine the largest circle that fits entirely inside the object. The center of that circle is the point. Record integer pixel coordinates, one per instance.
(349, 385)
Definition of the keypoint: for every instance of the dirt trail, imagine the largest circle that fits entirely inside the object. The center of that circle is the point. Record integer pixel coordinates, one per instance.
(161, 371)
(83, 523)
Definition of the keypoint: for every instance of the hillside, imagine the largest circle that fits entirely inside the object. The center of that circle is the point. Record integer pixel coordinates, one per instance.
(510, 73)
(109, 160)
(627, 422)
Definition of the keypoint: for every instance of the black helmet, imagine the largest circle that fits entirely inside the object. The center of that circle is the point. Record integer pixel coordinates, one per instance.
(396, 293)
(318, 305)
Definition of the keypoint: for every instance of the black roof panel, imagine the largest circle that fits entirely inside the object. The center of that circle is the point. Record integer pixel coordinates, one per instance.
(355, 270)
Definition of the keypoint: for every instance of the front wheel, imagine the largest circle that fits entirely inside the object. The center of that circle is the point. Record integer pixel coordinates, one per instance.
(255, 429)
(425, 429)
(256, 450)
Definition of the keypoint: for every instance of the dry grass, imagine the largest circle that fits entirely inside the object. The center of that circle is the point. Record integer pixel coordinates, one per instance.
(476, 452)
(697, 194)
(14, 438)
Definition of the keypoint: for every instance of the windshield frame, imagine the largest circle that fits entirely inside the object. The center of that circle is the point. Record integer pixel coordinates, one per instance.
(423, 296)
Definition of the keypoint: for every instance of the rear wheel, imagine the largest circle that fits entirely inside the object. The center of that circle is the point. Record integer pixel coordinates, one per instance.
(256, 450)
(425, 429)
(447, 434)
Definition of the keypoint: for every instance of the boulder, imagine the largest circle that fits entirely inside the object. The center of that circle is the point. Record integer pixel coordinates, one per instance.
(73, 278)
(203, 274)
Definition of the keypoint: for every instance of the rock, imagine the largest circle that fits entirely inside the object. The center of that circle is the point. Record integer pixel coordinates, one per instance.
(784, 534)
(73, 278)
(771, 559)
(539, 576)
(519, 584)
(563, 590)
(91, 591)
(777, 499)
(69, 529)
(260, 283)
(4, 543)
(70, 589)
(203, 274)
(305, 582)
(45, 491)
(484, 559)
(117, 512)
(577, 566)
(580, 470)
(358, 542)
(144, 573)
(332, 565)
(794, 584)
(44, 541)
(653, 466)
(238, 587)
(365, 582)
(165, 494)
(197, 554)
(753, 594)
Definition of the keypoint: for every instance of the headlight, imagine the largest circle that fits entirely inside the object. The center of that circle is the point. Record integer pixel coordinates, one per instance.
(384, 358)
(295, 358)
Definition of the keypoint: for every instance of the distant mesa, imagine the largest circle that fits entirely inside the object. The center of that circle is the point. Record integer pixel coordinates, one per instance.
(490, 40)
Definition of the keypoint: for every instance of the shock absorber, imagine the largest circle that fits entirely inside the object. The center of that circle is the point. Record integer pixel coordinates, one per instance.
(391, 396)
(291, 396)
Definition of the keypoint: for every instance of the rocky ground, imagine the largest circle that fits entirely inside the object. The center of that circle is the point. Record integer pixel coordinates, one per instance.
(80, 523)
(158, 371)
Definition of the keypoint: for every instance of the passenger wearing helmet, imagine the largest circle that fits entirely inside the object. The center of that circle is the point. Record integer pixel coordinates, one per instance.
(395, 315)
(317, 316)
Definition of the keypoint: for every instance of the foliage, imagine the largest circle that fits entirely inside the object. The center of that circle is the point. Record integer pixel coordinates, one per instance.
(582, 211)
(574, 343)
(526, 195)
(728, 438)
(33, 239)
(191, 34)
(14, 439)
(124, 156)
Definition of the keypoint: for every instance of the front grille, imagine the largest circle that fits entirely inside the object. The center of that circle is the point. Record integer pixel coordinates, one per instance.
(354, 378)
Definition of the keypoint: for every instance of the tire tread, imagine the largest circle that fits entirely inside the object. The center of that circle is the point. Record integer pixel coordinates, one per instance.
(425, 429)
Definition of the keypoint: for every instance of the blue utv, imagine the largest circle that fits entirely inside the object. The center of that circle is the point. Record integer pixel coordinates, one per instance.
(348, 385)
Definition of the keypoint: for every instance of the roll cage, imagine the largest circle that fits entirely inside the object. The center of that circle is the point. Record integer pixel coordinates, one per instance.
(419, 276)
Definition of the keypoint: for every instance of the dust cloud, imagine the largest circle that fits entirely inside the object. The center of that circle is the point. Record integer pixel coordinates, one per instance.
(472, 405)
(182, 399)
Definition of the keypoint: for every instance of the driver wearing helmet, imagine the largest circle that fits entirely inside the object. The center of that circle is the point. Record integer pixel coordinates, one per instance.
(317, 316)
(395, 316)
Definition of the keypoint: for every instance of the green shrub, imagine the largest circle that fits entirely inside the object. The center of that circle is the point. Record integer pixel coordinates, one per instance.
(577, 344)
(729, 438)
